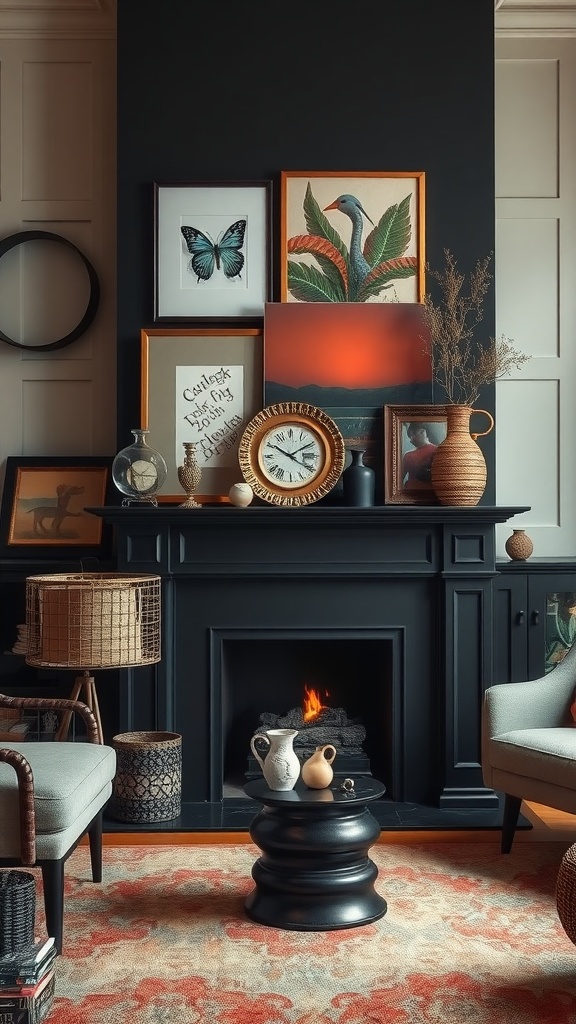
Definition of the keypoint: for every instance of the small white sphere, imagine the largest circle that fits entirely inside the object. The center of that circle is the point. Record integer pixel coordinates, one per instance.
(241, 495)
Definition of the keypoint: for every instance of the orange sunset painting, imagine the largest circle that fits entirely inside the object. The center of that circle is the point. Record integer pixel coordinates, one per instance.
(349, 359)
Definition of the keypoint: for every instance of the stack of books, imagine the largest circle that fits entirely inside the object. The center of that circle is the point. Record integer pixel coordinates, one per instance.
(27, 983)
(21, 645)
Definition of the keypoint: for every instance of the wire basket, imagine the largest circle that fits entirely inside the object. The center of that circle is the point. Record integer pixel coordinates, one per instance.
(93, 620)
(17, 910)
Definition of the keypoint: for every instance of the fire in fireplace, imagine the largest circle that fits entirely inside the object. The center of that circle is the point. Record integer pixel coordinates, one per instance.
(318, 724)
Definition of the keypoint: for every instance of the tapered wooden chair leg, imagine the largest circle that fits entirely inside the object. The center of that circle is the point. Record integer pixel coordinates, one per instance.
(53, 879)
(95, 840)
(512, 806)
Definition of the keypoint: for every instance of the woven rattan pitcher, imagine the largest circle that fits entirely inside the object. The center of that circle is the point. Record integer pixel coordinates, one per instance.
(458, 466)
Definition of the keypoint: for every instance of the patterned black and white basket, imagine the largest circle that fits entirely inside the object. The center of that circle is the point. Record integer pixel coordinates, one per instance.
(17, 911)
(148, 782)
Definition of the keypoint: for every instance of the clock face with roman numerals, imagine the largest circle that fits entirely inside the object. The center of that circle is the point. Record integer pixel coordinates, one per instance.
(291, 453)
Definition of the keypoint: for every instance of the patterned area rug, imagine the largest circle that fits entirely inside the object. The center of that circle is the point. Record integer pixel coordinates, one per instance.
(470, 937)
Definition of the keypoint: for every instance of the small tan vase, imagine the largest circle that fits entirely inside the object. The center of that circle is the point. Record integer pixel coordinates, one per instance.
(189, 475)
(458, 466)
(519, 546)
(317, 771)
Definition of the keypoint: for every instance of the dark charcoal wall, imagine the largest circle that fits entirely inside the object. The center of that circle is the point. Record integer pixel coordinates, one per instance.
(234, 91)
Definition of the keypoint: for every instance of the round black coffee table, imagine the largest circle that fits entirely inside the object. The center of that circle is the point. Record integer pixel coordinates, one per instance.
(315, 873)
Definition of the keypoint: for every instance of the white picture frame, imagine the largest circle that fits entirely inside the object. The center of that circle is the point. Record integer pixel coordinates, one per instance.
(219, 267)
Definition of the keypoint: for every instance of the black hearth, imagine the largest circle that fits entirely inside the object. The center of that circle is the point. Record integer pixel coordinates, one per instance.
(387, 608)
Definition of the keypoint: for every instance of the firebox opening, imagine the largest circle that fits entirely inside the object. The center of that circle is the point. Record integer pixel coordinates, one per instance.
(274, 676)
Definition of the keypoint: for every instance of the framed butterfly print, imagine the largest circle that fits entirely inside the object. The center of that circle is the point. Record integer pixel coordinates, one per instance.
(212, 251)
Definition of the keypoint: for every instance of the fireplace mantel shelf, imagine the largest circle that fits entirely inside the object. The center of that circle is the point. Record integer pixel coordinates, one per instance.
(317, 514)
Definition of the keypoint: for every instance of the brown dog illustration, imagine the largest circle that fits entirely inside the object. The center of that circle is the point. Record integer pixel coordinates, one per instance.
(57, 513)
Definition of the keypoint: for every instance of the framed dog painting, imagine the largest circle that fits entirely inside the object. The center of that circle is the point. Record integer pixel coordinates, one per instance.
(44, 505)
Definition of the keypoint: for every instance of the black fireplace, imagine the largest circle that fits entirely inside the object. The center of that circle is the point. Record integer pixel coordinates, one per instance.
(387, 609)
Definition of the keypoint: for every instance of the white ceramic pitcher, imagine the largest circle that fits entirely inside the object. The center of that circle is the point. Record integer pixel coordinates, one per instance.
(281, 766)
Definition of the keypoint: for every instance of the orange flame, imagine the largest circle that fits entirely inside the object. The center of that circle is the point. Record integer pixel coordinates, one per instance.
(312, 703)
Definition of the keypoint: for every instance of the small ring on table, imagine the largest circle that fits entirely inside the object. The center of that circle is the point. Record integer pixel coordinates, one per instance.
(347, 786)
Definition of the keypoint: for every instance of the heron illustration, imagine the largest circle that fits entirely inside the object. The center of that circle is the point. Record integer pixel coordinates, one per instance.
(359, 267)
(360, 272)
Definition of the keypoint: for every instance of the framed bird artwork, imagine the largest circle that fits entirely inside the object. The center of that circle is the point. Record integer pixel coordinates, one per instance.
(355, 236)
(212, 251)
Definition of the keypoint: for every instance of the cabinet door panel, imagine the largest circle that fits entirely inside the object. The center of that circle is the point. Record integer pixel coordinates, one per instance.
(510, 629)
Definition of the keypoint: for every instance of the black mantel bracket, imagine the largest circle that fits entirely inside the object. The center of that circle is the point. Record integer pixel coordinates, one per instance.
(427, 571)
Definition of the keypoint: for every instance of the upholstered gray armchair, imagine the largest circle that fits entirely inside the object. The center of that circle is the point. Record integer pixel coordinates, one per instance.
(529, 743)
(51, 794)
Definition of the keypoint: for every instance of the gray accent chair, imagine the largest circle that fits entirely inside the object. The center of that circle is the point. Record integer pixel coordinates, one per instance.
(51, 795)
(529, 743)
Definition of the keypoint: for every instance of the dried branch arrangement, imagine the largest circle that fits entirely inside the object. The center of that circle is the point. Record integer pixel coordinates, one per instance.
(460, 365)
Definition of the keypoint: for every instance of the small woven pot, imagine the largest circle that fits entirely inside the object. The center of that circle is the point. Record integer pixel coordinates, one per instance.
(148, 782)
(17, 910)
(566, 893)
(519, 546)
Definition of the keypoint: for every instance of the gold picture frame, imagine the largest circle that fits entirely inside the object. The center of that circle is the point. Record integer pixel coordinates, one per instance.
(407, 480)
(202, 385)
(352, 236)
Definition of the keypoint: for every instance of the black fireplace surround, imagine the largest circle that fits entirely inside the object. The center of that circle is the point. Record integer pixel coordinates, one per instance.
(387, 609)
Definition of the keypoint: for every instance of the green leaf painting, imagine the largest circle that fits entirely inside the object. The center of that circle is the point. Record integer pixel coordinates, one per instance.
(357, 273)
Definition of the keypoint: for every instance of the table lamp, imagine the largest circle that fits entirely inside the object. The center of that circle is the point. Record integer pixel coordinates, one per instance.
(89, 621)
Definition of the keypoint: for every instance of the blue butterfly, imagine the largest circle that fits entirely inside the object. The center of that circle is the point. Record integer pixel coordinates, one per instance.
(207, 254)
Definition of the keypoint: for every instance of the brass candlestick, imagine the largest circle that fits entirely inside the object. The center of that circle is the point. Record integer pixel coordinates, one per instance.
(189, 474)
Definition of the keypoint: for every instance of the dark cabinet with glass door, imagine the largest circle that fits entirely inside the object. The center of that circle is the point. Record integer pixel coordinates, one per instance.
(534, 617)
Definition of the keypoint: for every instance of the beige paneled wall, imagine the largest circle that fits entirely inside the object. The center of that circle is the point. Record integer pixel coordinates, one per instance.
(57, 119)
(57, 174)
(536, 298)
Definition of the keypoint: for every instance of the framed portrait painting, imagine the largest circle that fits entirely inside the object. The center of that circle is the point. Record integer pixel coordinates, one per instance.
(412, 434)
(201, 385)
(44, 502)
(212, 250)
(354, 236)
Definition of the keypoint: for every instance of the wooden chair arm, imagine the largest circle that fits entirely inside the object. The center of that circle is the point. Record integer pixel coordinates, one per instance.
(26, 802)
(55, 704)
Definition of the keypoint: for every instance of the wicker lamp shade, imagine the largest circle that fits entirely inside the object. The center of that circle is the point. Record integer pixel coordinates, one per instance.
(92, 621)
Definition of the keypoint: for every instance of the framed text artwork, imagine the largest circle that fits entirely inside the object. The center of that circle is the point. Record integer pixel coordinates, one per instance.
(212, 250)
(202, 385)
(44, 502)
(412, 435)
(354, 236)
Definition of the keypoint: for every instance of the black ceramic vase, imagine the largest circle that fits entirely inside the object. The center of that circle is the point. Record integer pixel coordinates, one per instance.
(358, 481)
